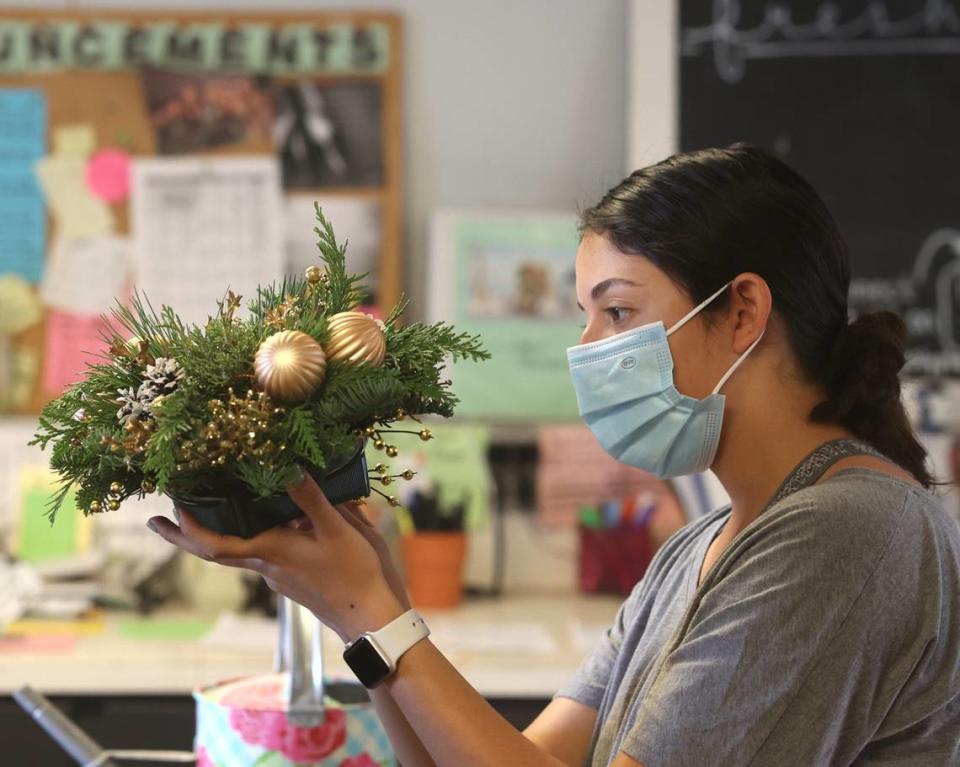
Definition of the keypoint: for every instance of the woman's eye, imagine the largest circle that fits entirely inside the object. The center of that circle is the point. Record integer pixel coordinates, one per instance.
(618, 314)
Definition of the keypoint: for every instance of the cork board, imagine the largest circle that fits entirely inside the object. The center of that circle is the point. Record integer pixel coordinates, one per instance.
(123, 75)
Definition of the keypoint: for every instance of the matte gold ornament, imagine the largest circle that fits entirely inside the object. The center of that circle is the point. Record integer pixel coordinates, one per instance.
(355, 337)
(290, 365)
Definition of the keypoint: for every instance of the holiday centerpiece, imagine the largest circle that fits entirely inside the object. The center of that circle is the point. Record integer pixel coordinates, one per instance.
(223, 417)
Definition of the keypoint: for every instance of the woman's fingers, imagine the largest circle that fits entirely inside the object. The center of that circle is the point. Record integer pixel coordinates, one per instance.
(312, 502)
(206, 544)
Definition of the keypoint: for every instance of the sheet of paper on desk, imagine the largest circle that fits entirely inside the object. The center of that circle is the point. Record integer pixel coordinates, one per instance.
(23, 221)
(201, 226)
(74, 140)
(501, 637)
(36, 539)
(86, 275)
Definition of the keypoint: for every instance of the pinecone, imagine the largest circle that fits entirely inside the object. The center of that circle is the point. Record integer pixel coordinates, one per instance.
(130, 406)
(163, 376)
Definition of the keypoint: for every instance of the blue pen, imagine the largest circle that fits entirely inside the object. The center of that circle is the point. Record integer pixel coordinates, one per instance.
(610, 511)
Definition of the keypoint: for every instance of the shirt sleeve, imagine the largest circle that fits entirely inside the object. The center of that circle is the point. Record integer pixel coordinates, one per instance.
(786, 625)
(589, 682)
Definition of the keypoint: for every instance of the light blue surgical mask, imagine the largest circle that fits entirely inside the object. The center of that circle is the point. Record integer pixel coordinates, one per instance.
(627, 397)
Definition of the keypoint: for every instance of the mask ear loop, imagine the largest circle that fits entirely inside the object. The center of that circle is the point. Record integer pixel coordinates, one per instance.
(735, 365)
(696, 310)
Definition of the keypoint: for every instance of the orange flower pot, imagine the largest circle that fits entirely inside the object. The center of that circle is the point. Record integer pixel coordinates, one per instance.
(433, 564)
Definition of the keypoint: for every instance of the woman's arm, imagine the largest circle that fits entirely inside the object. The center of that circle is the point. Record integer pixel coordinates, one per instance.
(334, 571)
(410, 751)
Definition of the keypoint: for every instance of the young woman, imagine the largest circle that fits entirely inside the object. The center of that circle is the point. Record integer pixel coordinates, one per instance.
(815, 621)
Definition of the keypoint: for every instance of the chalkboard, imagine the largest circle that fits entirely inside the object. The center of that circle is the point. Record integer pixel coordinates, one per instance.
(862, 99)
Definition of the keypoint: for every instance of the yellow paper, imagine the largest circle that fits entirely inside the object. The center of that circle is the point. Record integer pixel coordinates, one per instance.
(36, 540)
(75, 209)
(74, 140)
(38, 626)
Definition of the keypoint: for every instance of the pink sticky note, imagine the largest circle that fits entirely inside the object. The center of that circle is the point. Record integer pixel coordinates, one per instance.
(73, 342)
(108, 174)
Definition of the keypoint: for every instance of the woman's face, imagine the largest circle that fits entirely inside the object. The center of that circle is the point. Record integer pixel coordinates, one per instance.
(618, 291)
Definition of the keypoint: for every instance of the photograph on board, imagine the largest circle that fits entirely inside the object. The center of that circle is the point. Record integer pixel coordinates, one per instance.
(329, 134)
(190, 113)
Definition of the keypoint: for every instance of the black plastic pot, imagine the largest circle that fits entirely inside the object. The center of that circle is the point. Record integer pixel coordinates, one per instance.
(242, 514)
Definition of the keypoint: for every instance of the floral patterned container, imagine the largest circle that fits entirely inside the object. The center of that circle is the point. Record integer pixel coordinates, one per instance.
(244, 723)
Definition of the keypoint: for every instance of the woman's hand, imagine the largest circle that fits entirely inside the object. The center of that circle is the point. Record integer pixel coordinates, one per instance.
(327, 562)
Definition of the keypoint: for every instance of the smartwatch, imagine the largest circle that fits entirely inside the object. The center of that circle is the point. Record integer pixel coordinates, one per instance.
(373, 655)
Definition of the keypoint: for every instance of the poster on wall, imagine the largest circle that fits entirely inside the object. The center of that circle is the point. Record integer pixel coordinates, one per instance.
(509, 277)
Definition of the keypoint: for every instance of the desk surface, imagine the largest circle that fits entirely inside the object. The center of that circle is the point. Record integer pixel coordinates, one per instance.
(520, 646)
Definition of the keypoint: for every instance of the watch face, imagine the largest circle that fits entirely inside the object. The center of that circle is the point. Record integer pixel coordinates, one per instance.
(366, 663)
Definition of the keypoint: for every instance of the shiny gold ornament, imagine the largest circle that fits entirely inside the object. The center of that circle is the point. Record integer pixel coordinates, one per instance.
(380, 468)
(401, 414)
(355, 337)
(370, 431)
(408, 475)
(290, 365)
(116, 488)
(379, 444)
(386, 480)
(113, 504)
(313, 274)
(392, 451)
(393, 501)
(425, 435)
(94, 507)
(148, 487)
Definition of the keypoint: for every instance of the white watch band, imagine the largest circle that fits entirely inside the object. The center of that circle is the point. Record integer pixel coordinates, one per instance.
(399, 635)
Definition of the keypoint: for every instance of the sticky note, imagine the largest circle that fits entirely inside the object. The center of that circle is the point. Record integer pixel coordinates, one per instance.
(165, 629)
(74, 140)
(108, 175)
(36, 539)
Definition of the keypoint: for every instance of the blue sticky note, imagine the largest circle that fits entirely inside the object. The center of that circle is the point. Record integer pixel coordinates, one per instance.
(23, 224)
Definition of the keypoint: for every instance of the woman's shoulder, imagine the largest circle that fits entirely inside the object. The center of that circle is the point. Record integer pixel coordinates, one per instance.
(860, 508)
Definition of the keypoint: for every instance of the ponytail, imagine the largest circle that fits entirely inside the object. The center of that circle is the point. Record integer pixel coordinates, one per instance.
(862, 380)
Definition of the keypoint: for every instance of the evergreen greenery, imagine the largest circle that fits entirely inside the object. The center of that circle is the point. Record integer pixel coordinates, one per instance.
(166, 447)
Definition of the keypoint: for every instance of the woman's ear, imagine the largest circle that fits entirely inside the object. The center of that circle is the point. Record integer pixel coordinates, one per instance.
(750, 307)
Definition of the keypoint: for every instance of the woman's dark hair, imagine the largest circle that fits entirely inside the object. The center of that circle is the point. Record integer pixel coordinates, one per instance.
(704, 217)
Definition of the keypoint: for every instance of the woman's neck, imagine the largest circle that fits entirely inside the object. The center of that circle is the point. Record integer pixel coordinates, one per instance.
(760, 446)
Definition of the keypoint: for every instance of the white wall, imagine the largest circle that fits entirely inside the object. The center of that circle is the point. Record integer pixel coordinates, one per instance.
(507, 103)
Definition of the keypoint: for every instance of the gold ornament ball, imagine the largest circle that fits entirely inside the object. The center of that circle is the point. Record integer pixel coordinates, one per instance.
(290, 365)
(408, 475)
(148, 487)
(386, 480)
(113, 504)
(393, 501)
(94, 507)
(426, 435)
(379, 444)
(380, 468)
(116, 488)
(314, 274)
(355, 337)
(392, 451)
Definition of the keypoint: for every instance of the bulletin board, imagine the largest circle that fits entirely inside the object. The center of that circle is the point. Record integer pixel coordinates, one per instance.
(95, 106)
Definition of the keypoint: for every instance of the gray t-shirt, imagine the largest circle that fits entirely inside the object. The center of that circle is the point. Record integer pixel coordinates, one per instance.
(827, 633)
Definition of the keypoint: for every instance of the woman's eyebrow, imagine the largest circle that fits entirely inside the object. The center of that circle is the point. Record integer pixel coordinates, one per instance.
(604, 285)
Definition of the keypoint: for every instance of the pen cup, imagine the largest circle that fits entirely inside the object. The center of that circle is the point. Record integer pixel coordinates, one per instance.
(613, 559)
